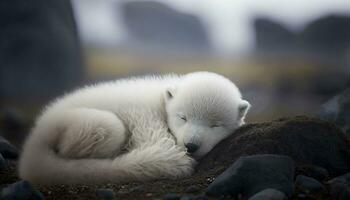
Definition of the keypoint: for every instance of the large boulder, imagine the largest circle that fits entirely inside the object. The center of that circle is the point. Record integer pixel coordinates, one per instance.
(39, 51)
(155, 25)
(307, 141)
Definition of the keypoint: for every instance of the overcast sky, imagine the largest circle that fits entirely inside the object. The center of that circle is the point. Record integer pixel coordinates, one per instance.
(228, 21)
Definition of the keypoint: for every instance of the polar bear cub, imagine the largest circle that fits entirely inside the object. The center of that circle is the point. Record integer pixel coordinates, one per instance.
(135, 129)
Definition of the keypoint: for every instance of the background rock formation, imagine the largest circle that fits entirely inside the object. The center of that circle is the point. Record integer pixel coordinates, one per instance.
(156, 26)
(39, 48)
(326, 39)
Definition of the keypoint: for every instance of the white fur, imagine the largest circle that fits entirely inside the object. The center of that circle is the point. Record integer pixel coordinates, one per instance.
(119, 131)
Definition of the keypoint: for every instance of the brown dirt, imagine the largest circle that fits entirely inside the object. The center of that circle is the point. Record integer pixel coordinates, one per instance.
(308, 141)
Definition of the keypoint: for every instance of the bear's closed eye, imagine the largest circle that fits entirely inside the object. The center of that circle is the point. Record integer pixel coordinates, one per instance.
(184, 118)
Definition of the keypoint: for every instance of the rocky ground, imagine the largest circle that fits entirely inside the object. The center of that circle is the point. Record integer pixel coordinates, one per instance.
(315, 152)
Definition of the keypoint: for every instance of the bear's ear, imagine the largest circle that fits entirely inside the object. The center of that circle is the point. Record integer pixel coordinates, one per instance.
(169, 93)
(243, 108)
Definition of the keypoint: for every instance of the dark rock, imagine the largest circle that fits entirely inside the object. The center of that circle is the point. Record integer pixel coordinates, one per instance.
(302, 196)
(3, 162)
(337, 188)
(13, 126)
(192, 189)
(251, 174)
(21, 190)
(337, 110)
(269, 194)
(273, 37)
(313, 171)
(105, 194)
(155, 25)
(186, 198)
(40, 51)
(327, 36)
(326, 39)
(7, 150)
(201, 198)
(339, 185)
(171, 196)
(345, 195)
(308, 141)
(308, 184)
(11, 120)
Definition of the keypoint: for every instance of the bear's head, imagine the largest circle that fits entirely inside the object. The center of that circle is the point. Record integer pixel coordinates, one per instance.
(203, 109)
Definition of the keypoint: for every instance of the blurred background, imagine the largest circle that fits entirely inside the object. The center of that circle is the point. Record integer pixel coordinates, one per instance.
(287, 57)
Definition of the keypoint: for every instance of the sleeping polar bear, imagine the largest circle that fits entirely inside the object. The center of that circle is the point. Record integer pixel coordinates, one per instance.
(134, 129)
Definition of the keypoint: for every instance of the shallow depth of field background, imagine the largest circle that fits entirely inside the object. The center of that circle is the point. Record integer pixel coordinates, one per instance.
(287, 57)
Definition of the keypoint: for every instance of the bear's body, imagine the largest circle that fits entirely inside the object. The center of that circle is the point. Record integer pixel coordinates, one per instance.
(120, 131)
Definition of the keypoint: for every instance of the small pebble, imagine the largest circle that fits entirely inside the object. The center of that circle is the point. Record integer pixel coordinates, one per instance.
(269, 194)
(339, 186)
(345, 195)
(192, 189)
(201, 198)
(187, 198)
(149, 194)
(309, 184)
(21, 190)
(316, 172)
(345, 179)
(210, 179)
(105, 194)
(171, 196)
(253, 173)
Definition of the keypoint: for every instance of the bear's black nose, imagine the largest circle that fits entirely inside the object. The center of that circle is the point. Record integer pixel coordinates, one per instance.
(191, 147)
